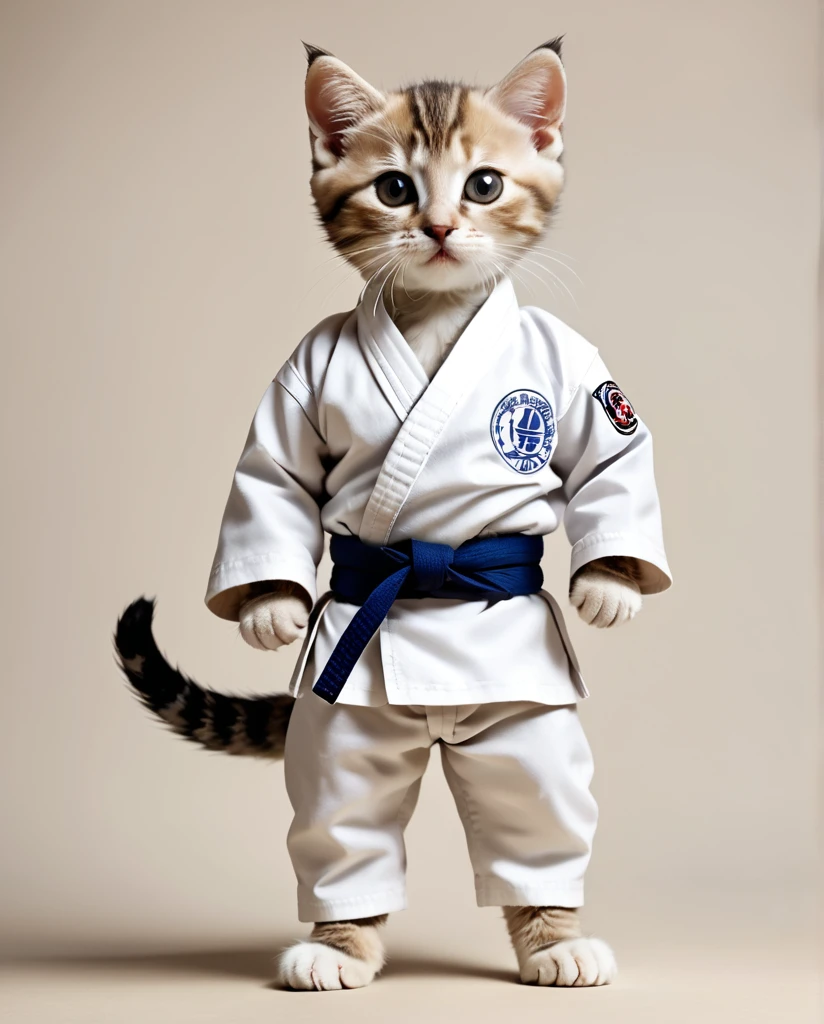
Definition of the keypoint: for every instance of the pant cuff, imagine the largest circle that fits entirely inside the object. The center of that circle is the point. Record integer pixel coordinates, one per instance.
(495, 893)
(311, 909)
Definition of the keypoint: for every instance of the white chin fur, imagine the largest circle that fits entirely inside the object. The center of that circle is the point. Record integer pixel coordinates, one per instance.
(444, 277)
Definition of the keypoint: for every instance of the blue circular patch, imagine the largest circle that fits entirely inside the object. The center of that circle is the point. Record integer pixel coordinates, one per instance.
(523, 430)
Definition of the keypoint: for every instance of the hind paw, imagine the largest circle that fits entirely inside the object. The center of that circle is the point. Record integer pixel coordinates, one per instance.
(314, 966)
(571, 962)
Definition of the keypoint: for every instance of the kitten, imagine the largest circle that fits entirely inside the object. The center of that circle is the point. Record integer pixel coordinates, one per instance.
(384, 168)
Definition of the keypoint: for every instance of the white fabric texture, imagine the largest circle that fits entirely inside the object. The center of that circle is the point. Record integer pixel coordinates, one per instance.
(519, 772)
(352, 438)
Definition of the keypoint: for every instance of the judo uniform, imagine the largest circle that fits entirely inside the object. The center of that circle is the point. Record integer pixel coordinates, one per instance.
(519, 430)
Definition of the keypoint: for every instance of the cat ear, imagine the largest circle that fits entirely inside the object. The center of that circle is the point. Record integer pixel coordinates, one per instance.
(336, 100)
(534, 93)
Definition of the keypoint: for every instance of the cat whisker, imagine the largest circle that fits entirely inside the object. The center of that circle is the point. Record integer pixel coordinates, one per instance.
(392, 286)
(348, 253)
(535, 250)
(423, 293)
(379, 289)
(339, 261)
(558, 252)
(543, 248)
(512, 271)
(351, 274)
(552, 275)
(541, 266)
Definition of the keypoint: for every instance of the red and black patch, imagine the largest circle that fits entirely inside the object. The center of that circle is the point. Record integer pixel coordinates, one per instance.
(617, 406)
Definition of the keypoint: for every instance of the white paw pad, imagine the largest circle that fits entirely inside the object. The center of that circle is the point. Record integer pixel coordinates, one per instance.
(312, 965)
(571, 962)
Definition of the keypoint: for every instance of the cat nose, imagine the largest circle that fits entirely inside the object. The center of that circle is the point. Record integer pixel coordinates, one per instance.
(438, 232)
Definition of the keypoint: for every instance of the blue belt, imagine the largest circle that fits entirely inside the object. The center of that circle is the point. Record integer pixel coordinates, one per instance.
(490, 568)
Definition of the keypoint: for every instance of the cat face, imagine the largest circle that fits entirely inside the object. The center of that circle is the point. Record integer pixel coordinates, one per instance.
(438, 187)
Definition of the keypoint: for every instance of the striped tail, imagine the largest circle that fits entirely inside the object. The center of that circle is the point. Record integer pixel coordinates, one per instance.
(255, 726)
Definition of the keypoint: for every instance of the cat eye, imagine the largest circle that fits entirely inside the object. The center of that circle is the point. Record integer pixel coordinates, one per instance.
(395, 189)
(483, 186)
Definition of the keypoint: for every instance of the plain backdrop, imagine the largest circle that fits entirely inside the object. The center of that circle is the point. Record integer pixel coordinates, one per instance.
(160, 260)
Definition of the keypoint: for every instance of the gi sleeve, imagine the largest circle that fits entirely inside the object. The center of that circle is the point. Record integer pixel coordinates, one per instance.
(604, 459)
(271, 528)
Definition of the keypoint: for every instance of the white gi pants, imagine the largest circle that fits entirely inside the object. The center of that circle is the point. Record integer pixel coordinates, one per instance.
(519, 772)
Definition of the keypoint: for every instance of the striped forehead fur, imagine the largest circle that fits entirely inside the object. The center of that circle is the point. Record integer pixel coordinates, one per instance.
(437, 110)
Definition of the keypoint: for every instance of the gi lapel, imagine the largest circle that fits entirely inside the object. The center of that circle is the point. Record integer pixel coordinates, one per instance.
(425, 419)
(393, 363)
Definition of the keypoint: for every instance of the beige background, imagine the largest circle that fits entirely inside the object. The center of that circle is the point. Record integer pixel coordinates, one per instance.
(160, 260)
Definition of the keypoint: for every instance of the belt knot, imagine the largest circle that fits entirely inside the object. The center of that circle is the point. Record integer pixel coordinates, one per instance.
(430, 564)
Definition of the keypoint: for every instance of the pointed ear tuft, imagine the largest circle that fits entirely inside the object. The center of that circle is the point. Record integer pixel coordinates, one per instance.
(534, 93)
(336, 100)
(555, 45)
(313, 52)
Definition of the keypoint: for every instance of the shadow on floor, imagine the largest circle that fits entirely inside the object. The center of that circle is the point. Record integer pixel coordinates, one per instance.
(257, 962)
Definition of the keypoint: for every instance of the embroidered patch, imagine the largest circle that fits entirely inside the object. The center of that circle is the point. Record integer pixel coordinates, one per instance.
(617, 407)
(523, 430)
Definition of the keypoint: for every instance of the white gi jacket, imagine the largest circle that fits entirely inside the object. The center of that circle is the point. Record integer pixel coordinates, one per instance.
(520, 428)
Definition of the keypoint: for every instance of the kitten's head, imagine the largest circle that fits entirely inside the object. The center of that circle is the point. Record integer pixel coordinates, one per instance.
(444, 185)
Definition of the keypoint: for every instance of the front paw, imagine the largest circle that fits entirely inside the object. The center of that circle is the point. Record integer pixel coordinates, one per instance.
(603, 600)
(273, 620)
